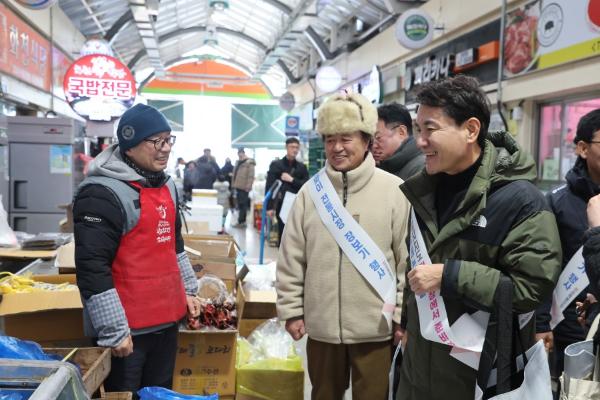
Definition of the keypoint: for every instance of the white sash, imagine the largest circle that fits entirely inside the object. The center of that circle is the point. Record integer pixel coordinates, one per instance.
(572, 281)
(356, 244)
(467, 334)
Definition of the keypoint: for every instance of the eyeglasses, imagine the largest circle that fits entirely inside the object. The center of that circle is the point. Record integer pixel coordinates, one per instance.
(593, 141)
(160, 142)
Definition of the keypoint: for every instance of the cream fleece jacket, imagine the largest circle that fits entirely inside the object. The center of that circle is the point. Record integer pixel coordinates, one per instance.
(317, 281)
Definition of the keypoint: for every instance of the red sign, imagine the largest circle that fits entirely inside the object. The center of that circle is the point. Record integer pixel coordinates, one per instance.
(99, 87)
(24, 53)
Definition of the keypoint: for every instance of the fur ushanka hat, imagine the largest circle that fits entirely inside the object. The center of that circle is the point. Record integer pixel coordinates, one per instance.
(345, 113)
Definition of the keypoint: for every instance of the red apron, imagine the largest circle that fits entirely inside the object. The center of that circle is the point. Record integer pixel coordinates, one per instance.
(145, 270)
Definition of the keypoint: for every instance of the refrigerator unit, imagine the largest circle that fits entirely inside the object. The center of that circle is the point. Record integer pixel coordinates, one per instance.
(43, 153)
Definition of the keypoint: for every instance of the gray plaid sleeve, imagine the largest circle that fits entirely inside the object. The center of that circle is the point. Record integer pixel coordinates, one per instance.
(190, 282)
(108, 318)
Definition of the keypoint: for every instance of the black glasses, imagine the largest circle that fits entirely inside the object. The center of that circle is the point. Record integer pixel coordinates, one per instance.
(593, 141)
(160, 142)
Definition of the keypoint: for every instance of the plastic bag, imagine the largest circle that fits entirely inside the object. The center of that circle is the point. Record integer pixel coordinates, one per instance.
(7, 235)
(267, 365)
(260, 277)
(159, 393)
(271, 340)
(11, 347)
(10, 396)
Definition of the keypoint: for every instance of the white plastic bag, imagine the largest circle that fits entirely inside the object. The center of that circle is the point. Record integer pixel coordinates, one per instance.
(7, 235)
(536, 383)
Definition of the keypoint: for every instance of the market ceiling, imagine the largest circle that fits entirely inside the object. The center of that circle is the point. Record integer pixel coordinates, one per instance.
(273, 41)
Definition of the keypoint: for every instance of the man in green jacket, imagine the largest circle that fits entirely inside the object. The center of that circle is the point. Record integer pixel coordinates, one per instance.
(480, 217)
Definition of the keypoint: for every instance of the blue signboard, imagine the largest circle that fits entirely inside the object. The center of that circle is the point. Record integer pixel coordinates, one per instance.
(292, 125)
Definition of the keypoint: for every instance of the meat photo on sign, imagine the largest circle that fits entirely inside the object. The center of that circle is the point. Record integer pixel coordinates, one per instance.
(520, 39)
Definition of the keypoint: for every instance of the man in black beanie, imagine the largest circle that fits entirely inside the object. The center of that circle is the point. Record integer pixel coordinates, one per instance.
(135, 279)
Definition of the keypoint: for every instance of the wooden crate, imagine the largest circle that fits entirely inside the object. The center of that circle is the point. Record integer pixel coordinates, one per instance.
(94, 363)
(116, 396)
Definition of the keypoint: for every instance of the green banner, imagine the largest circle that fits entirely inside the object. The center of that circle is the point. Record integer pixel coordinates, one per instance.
(173, 111)
(256, 125)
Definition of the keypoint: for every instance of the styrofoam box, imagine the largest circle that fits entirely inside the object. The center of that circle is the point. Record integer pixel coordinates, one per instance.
(212, 214)
(204, 197)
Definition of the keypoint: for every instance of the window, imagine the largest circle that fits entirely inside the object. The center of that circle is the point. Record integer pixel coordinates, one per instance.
(558, 124)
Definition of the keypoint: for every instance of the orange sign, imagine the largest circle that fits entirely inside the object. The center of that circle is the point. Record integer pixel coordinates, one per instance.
(24, 53)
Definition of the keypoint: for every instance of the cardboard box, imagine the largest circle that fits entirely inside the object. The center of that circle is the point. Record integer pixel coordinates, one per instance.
(65, 258)
(205, 363)
(94, 363)
(225, 271)
(44, 317)
(254, 308)
(212, 248)
(195, 227)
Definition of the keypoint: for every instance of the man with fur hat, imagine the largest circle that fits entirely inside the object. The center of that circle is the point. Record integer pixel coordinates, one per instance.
(341, 257)
(135, 279)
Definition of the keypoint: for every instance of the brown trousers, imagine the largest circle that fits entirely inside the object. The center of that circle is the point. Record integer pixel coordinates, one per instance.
(329, 367)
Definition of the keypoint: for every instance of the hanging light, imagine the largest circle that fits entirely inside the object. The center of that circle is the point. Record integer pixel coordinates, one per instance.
(328, 79)
(210, 37)
(219, 5)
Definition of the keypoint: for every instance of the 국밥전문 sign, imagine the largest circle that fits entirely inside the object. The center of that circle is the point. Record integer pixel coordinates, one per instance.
(99, 87)
(545, 33)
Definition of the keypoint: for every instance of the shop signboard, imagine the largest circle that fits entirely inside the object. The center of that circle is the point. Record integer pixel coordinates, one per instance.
(414, 29)
(292, 125)
(24, 53)
(473, 54)
(546, 33)
(99, 87)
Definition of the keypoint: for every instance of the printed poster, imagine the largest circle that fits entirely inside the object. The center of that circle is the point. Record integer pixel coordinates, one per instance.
(61, 159)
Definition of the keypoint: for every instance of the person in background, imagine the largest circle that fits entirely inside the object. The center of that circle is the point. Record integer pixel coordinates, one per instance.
(222, 187)
(394, 148)
(243, 178)
(205, 174)
(180, 168)
(135, 278)
(320, 291)
(293, 175)
(591, 256)
(481, 218)
(227, 172)
(190, 176)
(569, 203)
(210, 160)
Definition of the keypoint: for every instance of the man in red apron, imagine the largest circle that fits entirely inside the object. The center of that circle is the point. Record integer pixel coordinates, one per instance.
(133, 273)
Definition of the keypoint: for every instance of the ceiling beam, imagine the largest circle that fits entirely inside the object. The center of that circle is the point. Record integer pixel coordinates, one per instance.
(180, 32)
(284, 8)
(118, 26)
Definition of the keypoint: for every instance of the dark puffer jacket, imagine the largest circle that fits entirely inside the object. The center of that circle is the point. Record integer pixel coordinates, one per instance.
(569, 203)
(502, 225)
(406, 161)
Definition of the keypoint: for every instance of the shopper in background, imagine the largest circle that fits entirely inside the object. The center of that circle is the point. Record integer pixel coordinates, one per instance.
(569, 204)
(394, 148)
(481, 217)
(135, 279)
(591, 256)
(179, 168)
(243, 178)
(227, 170)
(207, 156)
(320, 291)
(293, 175)
(190, 176)
(222, 188)
(205, 174)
